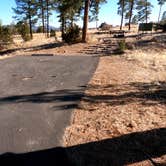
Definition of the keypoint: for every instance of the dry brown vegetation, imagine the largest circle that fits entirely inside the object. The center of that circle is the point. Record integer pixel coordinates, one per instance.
(124, 97)
(121, 120)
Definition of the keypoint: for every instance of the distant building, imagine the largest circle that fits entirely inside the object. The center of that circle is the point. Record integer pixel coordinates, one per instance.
(104, 26)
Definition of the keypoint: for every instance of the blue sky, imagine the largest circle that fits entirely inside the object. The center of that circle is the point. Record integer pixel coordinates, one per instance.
(108, 13)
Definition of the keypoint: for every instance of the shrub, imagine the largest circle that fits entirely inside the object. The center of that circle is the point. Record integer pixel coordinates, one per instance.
(121, 47)
(160, 26)
(164, 27)
(130, 46)
(23, 30)
(72, 34)
(52, 33)
(5, 35)
(39, 29)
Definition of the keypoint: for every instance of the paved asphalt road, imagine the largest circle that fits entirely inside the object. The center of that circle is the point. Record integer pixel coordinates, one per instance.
(37, 95)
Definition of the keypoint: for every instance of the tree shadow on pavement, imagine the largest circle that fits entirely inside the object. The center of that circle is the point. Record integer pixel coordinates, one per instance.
(126, 149)
(63, 99)
(144, 93)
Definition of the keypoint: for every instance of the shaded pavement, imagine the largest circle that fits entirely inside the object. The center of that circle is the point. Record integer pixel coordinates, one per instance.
(127, 149)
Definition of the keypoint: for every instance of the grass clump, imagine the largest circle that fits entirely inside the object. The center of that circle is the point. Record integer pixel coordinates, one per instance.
(121, 47)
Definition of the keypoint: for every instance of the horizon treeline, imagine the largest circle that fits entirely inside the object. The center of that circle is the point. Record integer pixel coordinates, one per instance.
(32, 12)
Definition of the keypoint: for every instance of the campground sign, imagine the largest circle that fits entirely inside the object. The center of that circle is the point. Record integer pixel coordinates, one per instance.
(145, 27)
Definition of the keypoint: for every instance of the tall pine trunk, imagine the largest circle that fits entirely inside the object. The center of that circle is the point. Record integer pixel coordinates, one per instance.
(159, 13)
(123, 3)
(62, 26)
(42, 13)
(30, 27)
(30, 19)
(86, 19)
(146, 10)
(47, 18)
(131, 13)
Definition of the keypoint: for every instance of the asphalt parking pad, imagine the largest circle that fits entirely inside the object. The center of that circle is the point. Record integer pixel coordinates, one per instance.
(37, 96)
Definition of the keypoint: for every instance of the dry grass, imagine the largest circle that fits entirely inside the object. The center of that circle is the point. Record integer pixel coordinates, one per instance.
(115, 77)
(43, 45)
(123, 97)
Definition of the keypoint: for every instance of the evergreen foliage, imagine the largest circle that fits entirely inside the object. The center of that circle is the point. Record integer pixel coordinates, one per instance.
(5, 35)
(160, 3)
(121, 10)
(53, 34)
(164, 17)
(130, 6)
(144, 9)
(23, 30)
(39, 29)
(72, 34)
(26, 10)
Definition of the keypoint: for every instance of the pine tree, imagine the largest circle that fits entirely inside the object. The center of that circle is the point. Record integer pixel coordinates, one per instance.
(45, 8)
(163, 19)
(94, 10)
(161, 3)
(134, 19)
(69, 11)
(26, 11)
(144, 8)
(62, 12)
(41, 5)
(47, 16)
(129, 13)
(121, 10)
(94, 6)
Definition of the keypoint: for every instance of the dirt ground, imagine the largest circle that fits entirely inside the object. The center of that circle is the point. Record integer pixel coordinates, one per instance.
(126, 96)
(121, 120)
